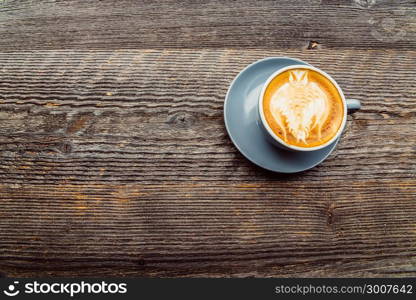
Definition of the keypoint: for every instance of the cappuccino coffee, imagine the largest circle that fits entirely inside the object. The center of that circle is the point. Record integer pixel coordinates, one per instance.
(303, 107)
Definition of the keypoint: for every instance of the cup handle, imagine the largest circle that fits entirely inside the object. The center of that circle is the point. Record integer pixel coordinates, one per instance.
(353, 105)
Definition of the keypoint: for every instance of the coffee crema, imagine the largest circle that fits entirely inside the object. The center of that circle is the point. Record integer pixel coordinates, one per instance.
(303, 108)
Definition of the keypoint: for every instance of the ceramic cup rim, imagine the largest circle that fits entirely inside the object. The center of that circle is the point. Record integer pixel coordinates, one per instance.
(266, 124)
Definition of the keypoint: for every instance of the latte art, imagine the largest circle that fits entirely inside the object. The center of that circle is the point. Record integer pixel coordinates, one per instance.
(303, 107)
(300, 106)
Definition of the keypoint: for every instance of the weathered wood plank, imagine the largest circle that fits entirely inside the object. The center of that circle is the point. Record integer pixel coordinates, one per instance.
(123, 116)
(30, 24)
(193, 229)
(118, 162)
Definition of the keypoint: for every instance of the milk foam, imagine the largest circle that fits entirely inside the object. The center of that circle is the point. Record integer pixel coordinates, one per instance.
(300, 106)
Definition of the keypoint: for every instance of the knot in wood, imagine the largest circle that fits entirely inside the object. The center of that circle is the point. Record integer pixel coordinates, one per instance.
(181, 120)
(330, 211)
(313, 45)
(65, 147)
(365, 3)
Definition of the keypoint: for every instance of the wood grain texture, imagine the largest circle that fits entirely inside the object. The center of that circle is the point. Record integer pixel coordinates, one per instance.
(109, 24)
(270, 229)
(117, 162)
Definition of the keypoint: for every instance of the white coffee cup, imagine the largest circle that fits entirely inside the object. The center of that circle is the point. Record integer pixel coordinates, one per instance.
(349, 105)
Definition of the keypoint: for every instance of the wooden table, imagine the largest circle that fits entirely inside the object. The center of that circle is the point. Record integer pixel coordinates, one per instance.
(114, 159)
